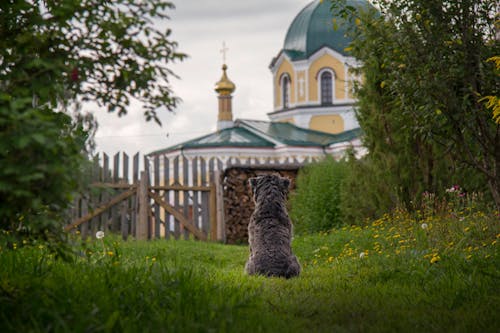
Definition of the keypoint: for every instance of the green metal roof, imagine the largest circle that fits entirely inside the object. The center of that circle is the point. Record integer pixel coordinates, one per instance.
(313, 29)
(290, 134)
(228, 137)
(263, 134)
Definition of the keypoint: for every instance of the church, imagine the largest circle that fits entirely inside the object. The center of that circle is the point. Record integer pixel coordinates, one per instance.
(313, 110)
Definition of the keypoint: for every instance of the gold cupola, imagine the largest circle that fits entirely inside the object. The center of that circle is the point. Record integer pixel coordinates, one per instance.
(224, 87)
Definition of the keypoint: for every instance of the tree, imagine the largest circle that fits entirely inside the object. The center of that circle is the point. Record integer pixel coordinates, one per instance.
(425, 67)
(55, 54)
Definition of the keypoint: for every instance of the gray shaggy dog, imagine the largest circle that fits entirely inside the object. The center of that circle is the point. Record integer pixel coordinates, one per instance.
(270, 230)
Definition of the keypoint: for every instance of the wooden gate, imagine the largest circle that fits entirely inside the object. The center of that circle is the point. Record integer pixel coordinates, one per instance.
(169, 199)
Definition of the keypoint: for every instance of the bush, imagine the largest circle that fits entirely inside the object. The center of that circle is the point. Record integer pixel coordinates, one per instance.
(315, 205)
(367, 191)
(41, 165)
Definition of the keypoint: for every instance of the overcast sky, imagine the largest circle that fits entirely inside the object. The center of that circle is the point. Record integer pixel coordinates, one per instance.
(254, 31)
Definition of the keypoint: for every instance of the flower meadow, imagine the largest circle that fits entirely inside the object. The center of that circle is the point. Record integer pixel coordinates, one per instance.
(424, 238)
(430, 270)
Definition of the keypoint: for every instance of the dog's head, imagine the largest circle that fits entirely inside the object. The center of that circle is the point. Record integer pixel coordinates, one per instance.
(269, 186)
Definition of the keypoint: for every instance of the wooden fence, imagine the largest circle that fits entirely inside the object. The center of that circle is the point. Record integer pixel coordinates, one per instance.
(162, 198)
(152, 197)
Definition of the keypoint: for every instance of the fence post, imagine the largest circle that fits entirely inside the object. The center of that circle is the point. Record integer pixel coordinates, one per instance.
(221, 226)
(213, 211)
(143, 213)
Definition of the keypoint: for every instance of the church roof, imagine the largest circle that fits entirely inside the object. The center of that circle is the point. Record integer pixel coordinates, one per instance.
(263, 134)
(313, 28)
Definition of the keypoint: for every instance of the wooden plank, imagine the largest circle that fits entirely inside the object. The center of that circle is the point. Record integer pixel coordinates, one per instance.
(116, 168)
(196, 194)
(84, 210)
(143, 207)
(100, 209)
(166, 194)
(125, 216)
(213, 213)
(102, 220)
(135, 170)
(220, 218)
(214, 165)
(179, 216)
(177, 229)
(147, 169)
(105, 168)
(134, 207)
(115, 213)
(124, 220)
(219, 164)
(125, 175)
(205, 218)
(96, 169)
(185, 194)
(156, 209)
(93, 198)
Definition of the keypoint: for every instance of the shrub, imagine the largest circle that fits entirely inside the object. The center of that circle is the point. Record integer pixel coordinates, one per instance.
(315, 205)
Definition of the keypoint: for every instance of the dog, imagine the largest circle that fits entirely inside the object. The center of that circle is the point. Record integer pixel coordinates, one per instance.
(270, 230)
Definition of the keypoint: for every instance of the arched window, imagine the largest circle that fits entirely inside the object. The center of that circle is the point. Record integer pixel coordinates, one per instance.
(326, 87)
(285, 91)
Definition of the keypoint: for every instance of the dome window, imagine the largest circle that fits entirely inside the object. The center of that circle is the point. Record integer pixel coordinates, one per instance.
(326, 82)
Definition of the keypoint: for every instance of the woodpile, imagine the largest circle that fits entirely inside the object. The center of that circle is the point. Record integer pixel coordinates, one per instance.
(238, 202)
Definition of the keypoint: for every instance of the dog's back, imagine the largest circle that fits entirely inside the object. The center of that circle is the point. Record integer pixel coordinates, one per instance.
(270, 230)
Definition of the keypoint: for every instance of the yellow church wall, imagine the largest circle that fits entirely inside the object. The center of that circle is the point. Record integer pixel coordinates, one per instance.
(330, 62)
(328, 123)
(285, 67)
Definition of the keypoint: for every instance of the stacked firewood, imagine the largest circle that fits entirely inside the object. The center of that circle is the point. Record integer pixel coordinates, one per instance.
(238, 202)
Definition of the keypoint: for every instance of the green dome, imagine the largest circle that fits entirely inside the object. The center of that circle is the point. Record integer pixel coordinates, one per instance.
(313, 29)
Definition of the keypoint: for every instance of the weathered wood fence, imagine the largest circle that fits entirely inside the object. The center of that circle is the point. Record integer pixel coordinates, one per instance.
(162, 198)
(152, 197)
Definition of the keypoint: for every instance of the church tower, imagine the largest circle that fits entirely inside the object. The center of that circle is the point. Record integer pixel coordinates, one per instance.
(224, 87)
(312, 77)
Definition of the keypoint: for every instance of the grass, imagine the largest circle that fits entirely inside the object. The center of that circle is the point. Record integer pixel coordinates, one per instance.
(401, 273)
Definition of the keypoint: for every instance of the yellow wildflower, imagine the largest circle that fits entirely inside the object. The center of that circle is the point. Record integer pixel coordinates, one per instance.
(435, 258)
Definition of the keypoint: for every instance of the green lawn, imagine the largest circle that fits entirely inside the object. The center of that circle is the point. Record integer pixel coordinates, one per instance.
(444, 278)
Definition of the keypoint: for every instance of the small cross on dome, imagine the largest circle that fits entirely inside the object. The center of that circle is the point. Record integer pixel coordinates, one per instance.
(224, 52)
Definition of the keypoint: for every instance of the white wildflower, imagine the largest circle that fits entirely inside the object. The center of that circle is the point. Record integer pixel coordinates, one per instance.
(99, 234)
